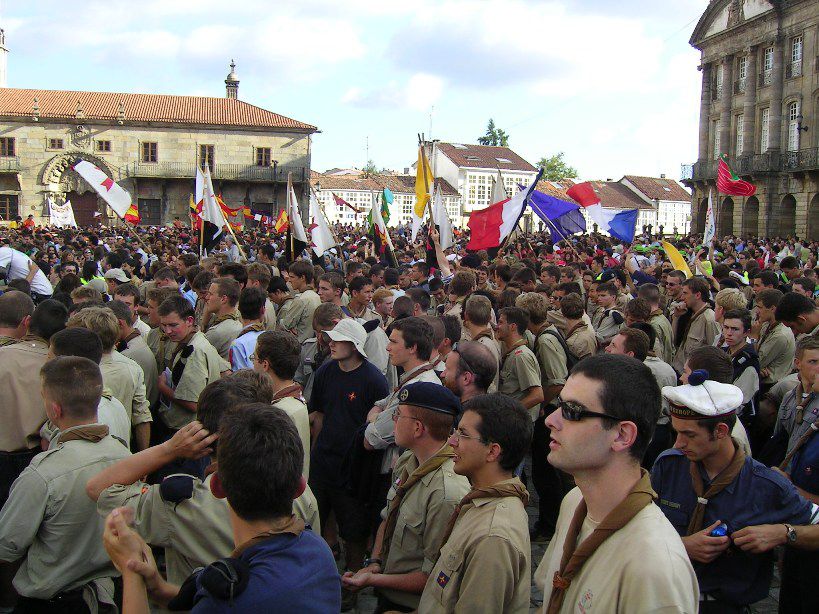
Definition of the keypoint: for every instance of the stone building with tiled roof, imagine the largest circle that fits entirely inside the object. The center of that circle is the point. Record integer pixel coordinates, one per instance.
(359, 191)
(671, 201)
(151, 145)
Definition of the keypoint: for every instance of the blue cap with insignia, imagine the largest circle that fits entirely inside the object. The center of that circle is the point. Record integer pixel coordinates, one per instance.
(430, 396)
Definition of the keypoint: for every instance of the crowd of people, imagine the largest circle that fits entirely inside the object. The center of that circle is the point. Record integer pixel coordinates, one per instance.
(236, 431)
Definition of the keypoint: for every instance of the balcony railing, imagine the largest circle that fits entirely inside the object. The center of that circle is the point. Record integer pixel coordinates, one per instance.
(802, 160)
(10, 164)
(222, 172)
(765, 78)
(686, 172)
(739, 86)
(758, 164)
(793, 69)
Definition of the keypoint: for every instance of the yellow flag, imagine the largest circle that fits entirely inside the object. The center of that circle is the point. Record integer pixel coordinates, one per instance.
(676, 259)
(422, 186)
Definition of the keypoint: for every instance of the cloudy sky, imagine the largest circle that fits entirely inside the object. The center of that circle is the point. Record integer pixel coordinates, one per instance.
(612, 84)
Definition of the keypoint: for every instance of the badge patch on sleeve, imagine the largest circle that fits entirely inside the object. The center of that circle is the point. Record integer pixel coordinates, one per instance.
(443, 579)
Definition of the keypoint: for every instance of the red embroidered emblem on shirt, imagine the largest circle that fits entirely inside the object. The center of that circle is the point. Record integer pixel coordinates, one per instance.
(442, 579)
(351, 396)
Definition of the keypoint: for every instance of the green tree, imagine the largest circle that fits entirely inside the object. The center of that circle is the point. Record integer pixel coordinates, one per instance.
(494, 136)
(555, 168)
(370, 168)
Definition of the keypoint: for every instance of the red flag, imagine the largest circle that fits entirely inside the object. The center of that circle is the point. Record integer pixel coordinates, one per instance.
(341, 202)
(492, 225)
(132, 215)
(729, 183)
(282, 223)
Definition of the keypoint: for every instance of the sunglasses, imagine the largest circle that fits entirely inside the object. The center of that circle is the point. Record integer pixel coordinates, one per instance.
(575, 412)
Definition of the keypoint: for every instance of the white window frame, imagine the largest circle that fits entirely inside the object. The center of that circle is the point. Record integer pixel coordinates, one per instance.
(793, 125)
(740, 130)
(716, 128)
(796, 49)
(767, 59)
(719, 79)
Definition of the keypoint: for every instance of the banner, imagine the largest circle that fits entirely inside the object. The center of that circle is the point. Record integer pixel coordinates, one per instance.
(62, 216)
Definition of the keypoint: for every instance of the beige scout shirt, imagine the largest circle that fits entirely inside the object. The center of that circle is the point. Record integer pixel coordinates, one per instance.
(162, 348)
(702, 330)
(126, 381)
(491, 343)
(21, 406)
(581, 340)
(140, 353)
(203, 366)
(643, 567)
(195, 530)
(422, 519)
(269, 315)
(776, 349)
(519, 372)
(485, 565)
(665, 335)
(142, 327)
(297, 410)
(296, 315)
(223, 334)
(49, 521)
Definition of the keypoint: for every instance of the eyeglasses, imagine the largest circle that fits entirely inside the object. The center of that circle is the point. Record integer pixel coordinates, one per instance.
(458, 434)
(575, 412)
(395, 416)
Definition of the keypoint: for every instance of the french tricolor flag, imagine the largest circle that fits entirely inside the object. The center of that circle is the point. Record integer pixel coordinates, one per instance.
(619, 224)
(489, 227)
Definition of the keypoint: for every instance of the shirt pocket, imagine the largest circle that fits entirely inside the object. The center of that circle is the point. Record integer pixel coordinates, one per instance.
(447, 577)
(410, 531)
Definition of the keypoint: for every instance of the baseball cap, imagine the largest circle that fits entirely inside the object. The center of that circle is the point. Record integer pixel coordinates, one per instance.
(117, 274)
(350, 330)
(430, 396)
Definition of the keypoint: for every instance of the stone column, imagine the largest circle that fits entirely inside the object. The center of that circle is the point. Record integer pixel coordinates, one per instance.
(777, 78)
(749, 104)
(705, 111)
(725, 105)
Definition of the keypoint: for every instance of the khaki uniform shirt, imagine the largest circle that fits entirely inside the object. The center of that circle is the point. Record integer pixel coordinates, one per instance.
(202, 367)
(126, 381)
(195, 530)
(223, 334)
(582, 341)
(140, 353)
(485, 565)
(551, 357)
(142, 327)
(519, 372)
(776, 350)
(365, 315)
(665, 336)
(609, 327)
(422, 519)
(269, 315)
(643, 567)
(21, 406)
(296, 315)
(493, 346)
(6, 340)
(297, 410)
(666, 376)
(702, 330)
(49, 521)
(162, 348)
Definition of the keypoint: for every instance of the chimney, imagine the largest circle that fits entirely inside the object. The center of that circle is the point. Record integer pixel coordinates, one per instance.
(232, 82)
(662, 175)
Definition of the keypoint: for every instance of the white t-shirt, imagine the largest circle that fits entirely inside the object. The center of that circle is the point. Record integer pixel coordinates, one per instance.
(112, 413)
(16, 264)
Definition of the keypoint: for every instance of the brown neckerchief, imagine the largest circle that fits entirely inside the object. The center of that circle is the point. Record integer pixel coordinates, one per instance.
(768, 331)
(291, 524)
(723, 479)
(31, 337)
(802, 399)
(412, 374)
(123, 344)
(215, 320)
(258, 327)
(294, 390)
(691, 321)
(512, 488)
(486, 332)
(656, 312)
(519, 343)
(580, 325)
(798, 445)
(403, 486)
(575, 555)
(86, 432)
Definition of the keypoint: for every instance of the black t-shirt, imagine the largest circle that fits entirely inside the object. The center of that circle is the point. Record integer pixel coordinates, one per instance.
(345, 398)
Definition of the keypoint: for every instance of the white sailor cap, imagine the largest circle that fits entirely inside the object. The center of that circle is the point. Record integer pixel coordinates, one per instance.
(702, 398)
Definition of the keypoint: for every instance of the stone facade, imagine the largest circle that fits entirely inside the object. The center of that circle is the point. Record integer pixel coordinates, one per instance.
(759, 101)
(154, 160)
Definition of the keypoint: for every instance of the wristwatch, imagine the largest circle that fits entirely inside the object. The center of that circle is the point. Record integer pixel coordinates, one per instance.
(791, 533)
(368, 562)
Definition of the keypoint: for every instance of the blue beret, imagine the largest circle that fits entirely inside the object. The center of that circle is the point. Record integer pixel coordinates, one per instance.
(430, 396)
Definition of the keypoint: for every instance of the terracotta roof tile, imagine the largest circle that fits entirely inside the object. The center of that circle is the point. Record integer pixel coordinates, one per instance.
(145, 107)
(615, 195)
(398, 184)
(659, 188)
(484, 156)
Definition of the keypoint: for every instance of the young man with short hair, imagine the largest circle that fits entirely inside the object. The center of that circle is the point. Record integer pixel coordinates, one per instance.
(47, 522)
(15, 315)
(425, 490)
(611, 320)
(579, 335)
(129, 294)
(520, 374)
(707, 481)
(694, 323)
(658, 320)
(296, 316)
(798, 313)
(736, 325)
(612, 546)
(158, 341)
(287, 567)
(223, 321)
(477, 318)
(484, 563)
(252, 311)
(132, 345)
(331, 288)
(361, 295)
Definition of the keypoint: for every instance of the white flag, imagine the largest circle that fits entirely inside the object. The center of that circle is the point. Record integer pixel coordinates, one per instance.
(61, 215)
(199, 187)
(498, 190)
(111, 192)
(441, 217)
(710, 223)
(294, 216)
(320, 236)
(211, 211)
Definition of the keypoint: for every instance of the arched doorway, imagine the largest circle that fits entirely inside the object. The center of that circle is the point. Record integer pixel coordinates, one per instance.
(702, 211)
(85, 205)
(813, 219)
(62, 183)
(725, 224)
(787, 216)
(750, 218)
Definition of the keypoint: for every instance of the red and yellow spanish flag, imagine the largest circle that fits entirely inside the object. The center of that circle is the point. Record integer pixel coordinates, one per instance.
(282, 222)
(132, 215)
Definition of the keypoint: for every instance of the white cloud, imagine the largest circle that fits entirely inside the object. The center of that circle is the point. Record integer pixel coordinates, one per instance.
(419, 93)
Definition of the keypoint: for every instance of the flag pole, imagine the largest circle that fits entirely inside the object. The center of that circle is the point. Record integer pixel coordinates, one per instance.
(324, 215)
(289, 222)
(425, 163)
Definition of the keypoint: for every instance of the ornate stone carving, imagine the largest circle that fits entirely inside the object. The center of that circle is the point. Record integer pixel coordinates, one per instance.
(54, 170)
(735, 13)
(81, 137)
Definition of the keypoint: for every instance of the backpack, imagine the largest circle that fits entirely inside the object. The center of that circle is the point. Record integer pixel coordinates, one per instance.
(571, 358)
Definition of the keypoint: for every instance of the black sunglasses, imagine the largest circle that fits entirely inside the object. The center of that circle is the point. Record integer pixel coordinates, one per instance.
(575, 412)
